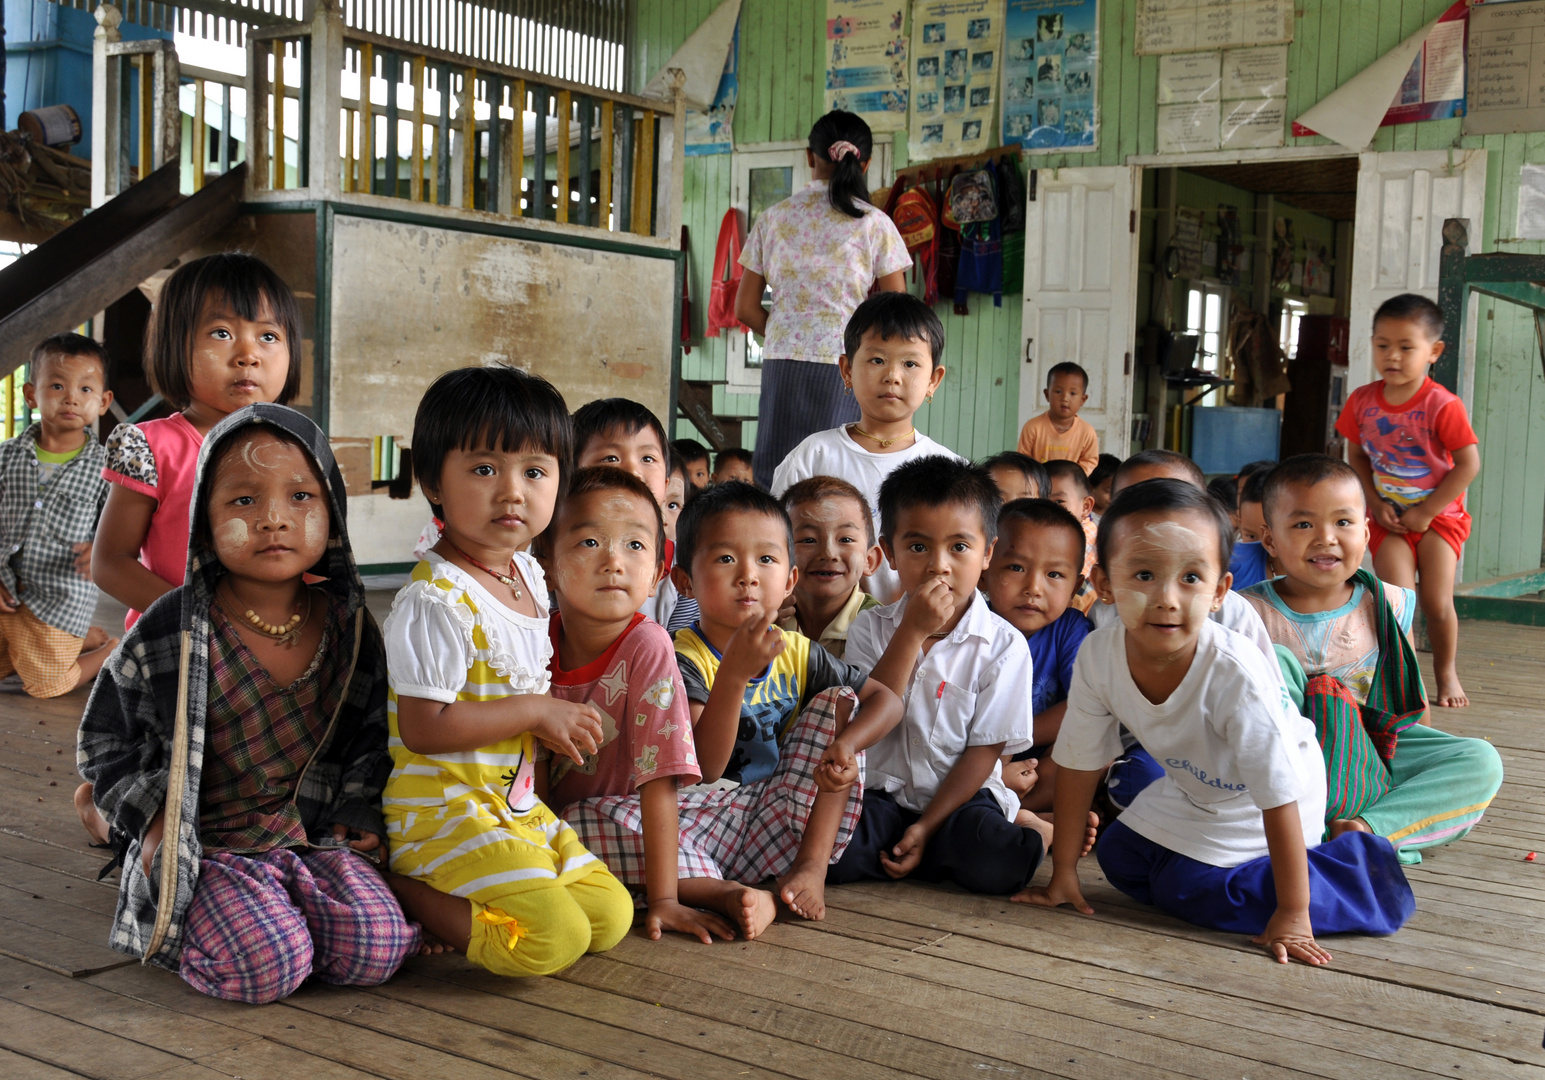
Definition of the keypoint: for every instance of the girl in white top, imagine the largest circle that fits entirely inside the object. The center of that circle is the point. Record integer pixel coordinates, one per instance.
(1229, 836)
(890, 365)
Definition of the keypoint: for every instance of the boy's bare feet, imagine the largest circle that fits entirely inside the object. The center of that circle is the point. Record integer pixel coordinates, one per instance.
(753, 911)
(95, 638)
(803, 889)
(429, 945)
(1346, 825)
(1043, 824)
(1020, 776)
(1450, 694)
(90, 817)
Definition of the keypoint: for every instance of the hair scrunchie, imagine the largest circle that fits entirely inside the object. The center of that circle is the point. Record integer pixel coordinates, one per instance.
(840, 150)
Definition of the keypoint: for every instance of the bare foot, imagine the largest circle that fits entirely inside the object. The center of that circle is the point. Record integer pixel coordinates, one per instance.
(90, 817)
(429, 945)
(753, 911)
(1091, 828)
(803, 889)
(1346, 825)
(1450, 694)
(1025, 819)
(95, 638)
(1020, 776)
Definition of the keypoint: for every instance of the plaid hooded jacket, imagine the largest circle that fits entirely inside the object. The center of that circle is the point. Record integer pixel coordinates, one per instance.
(141, 740)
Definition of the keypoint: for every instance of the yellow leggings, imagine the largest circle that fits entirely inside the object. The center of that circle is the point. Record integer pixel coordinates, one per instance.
(543, 931)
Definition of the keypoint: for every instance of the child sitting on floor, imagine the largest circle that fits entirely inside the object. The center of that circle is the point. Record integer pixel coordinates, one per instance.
(1031, 582)
(1070, 490)
(479, 860)
(732, 464)
(243, 719)
(1229, 837)
(1059, 433)
(769, 708)
(937, 808)
(1251, 563)
(1018, 476)
(892, 348)
(1346, 632)
(834, 550)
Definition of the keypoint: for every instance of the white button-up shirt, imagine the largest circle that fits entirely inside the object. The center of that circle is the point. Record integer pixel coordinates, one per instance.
(971, 689)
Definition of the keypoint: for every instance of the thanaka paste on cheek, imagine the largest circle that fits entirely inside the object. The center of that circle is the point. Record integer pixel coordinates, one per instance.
(1166, 548)
(231, 538)
(314, 527)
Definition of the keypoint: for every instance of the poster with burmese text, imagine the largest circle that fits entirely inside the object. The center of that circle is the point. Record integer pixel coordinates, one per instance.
(866, 61)
(956, 48)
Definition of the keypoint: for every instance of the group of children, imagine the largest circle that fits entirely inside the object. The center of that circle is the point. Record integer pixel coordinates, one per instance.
(882, 669)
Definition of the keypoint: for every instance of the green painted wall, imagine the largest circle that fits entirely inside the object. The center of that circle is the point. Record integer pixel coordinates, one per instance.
(781, 95)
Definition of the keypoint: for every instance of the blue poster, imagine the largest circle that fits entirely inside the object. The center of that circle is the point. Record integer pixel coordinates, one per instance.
(1050, 70)
(712, 132)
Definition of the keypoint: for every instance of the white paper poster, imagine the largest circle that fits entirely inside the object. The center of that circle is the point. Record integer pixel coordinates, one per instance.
(1211, 101)
(955, 55)
(1166, 26)
(1507, 69)
(1187, 129)
(866, 61)
(1189, 78)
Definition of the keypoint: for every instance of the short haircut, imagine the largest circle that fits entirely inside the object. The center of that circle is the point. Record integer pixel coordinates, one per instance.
(1255, 486)
(610, 478)
(731, 497)
(499, 407)
(676, 467)
(1308, 470)
(60, 346)
(816, 488)
(689, 450)
(247, 284)
(1062, 469)
(895, 315)
(732, 453)
(1414, 307)
(595, 418)
(1165, 496)
(1044, 514)
(1067, 367)
(1030, 468)
(937, 480)
(1104, 469)
(1247, 471)
(1166, 459)
(1226, 490)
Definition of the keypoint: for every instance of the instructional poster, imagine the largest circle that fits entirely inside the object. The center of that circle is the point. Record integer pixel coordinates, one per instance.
(955, 54)
(712, 132)
(1434, 87)
(866, 61)
(1050, 65)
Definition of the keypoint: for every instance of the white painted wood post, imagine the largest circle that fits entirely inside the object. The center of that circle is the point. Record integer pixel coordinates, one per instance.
(105, 179)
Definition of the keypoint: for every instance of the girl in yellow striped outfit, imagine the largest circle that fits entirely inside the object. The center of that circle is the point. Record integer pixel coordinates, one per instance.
(477, 858)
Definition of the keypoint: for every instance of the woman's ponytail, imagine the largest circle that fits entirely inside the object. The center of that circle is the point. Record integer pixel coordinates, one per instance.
(845, 140)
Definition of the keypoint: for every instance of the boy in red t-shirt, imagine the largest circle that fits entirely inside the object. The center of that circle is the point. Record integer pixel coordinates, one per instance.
(1411, 442)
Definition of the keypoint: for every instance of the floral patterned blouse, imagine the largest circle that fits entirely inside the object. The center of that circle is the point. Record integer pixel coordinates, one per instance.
(820, 264)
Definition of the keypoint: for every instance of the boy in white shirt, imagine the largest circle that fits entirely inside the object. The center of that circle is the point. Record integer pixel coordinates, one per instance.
(1228, 838)
(936, 808)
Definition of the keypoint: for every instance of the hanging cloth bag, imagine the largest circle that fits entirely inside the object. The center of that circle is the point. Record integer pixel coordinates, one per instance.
(917, 220)
(726, 276)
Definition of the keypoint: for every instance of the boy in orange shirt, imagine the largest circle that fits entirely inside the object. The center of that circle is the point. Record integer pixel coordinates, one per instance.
(1058, 433)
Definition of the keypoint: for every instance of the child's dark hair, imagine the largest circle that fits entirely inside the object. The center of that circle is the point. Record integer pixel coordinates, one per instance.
(248, 285)
(1255, 486)
(1104, 469)
(497, 407)
(1413, 307)
(1044, 514)
(731, 453)
(60, 346)
(937, 480)
(1165, 459)
(895, 315)
(610, 478)
(1063, 469)
(731, 497)
(848, 186)
(815, 488)
(1031, 469)
(1167, 496)
(1306, 469)
(689, 450)
(1067, 367)
(595, 418)
(1247, 471)
(1226, 491)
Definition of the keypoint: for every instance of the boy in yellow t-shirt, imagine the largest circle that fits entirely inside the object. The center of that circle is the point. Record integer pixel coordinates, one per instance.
(1058, 433)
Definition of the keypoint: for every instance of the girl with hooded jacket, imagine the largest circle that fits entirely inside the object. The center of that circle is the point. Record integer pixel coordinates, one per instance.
(237, 742)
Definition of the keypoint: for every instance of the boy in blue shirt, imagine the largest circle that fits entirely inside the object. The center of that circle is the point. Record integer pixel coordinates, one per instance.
(1251, 563)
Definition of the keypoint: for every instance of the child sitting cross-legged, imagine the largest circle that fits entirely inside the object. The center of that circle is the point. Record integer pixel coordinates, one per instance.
(1229, 836)
(770, 709)
(1345, 635)
(937, 808)
(1034, 575)
(834, 550)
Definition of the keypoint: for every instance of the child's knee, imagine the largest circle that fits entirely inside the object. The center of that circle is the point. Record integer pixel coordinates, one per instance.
(544, 931)
(376, 947)
(609, 907)
(254, 967)
(1481, 764)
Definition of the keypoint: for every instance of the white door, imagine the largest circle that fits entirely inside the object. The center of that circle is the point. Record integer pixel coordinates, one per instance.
(1080, 277)
(1402, 202)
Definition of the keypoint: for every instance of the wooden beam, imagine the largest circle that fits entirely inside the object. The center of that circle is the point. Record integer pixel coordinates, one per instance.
(562, 172)
(416, 171)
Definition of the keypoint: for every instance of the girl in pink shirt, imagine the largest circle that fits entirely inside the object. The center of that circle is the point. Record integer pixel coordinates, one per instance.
(225, 334)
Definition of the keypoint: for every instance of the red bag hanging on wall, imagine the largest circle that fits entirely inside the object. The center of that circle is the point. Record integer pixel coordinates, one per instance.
(726, 276)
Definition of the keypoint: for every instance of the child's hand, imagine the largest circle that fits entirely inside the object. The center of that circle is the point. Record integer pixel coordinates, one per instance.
(7, 601)
(930, 607)
(755, 643)
(1289, 934)
(1416, 519)
(83, 559)
(673, 915)
(838, 769)
(358, 839)
(1385, 515)
(570, 728)
(902, 859)
(1062, 889)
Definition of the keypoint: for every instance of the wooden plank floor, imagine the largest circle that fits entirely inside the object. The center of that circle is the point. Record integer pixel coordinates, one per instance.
(899, 981)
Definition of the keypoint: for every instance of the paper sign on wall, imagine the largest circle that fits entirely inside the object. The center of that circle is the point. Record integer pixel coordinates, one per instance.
(956, 45)
(1507, 69)
(1050, 54)
(866, 61)
(1234, 99)
(1166, 26)
(712, 132)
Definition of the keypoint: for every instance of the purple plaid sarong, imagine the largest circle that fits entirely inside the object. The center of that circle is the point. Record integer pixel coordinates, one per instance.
(260, 924)
(748, 834)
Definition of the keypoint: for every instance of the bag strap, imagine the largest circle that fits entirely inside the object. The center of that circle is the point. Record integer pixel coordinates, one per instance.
(1397, 694)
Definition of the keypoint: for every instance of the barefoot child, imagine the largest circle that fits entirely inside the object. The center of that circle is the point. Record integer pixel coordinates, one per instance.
(769, 708)
(51, 493)
(243, 722)
(1017, 476)
(1412, 444)
(1034, 575)
(890, 364)
(1346, 632)
(937, 808)
(834, 550)
(1059, 433)
(478, 859)
(1229, 836)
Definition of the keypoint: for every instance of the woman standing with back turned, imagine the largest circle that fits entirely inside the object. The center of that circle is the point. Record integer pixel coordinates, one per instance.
(821, 250)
